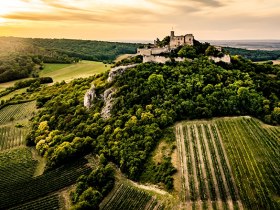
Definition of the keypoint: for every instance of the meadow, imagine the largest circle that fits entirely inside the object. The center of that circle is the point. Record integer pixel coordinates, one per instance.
(68, 72)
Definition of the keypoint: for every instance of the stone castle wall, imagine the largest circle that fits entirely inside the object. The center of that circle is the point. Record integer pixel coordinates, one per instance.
(161, 59)
(225, 58)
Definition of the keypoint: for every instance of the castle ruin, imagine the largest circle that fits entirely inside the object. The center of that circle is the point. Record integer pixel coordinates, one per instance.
(176, 41)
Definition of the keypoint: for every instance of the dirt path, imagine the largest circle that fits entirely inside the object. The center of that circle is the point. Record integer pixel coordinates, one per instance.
(240, 206)
(229, 199)
(183, 163)
(199, 203)
(202, 165)
(219, 201)
(41, 163)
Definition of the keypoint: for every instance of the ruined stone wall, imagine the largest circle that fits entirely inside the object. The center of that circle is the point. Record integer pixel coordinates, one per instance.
(161, 59)
(144, 51)
(156, 51)
(155, 59)
(225, 58)
(153, 51)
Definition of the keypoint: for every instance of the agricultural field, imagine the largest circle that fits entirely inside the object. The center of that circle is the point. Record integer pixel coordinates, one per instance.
(11, 137)
(17, 112)
(129, 197)
(45, 203)
(69, 72)
(229, 163)
(14, 124)
(18, 191)
(16, 166)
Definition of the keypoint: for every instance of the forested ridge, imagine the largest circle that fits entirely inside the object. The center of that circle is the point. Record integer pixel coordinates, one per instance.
(149, 98)
(25, 57)
(255, 55)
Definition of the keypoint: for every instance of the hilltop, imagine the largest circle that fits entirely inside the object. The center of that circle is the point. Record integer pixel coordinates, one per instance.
(177, 126)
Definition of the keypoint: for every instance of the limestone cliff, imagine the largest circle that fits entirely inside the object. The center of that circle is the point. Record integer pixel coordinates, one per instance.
(89, 96)
(118, 70)
(108, 102)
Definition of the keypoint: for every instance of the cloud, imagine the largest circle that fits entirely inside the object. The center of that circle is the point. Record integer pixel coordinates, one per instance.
(123, 15)
(210, 3)
(181, 3)
(60, 5)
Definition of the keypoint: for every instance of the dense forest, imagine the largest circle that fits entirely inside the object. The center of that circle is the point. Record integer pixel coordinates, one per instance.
(86, 49)
(148, 99)
(255, 55)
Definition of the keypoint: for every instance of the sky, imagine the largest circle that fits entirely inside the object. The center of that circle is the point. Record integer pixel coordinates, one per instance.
(140, 19)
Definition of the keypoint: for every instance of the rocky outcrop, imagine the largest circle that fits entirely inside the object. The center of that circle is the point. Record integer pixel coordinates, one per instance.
(108, 102)
(89, 96)
(118, 70)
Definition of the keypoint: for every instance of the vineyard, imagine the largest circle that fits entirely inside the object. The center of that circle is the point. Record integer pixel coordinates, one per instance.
(17, 112)
(11, 137)
(44, 203)
(18, 186)
(228, 164)
(128, 197)
(254, 155)
(16, 166)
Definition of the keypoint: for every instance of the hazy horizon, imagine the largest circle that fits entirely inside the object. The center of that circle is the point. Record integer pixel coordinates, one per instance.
(140, 19)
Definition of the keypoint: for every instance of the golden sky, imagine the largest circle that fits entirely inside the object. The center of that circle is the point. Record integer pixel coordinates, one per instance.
(140, 19)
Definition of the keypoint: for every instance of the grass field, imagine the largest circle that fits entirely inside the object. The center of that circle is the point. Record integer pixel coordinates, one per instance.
(12, 94)
(229, 163)
(10, 84)
(121, 57)
(68, 72)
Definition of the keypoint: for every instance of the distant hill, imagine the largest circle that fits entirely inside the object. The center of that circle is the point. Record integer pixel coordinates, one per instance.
(23, 57)
(255, 50)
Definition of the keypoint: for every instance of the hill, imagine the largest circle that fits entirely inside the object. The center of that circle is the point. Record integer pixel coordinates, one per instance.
(25, 57)
(129, 124)
(255, 55)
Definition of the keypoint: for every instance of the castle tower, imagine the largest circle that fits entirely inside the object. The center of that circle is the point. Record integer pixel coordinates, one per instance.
(172, 34)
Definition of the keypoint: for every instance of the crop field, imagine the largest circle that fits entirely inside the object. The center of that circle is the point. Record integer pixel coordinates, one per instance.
(17, 191)
(68, 72)
(44, 203)
(11, 137)
(128, 197)
(229, 163)
(16, 166)
(17, 112)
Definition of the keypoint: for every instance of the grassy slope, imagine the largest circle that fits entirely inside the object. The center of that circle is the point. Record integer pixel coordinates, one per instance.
(12, 94)
(68, 72)
(9, 84)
